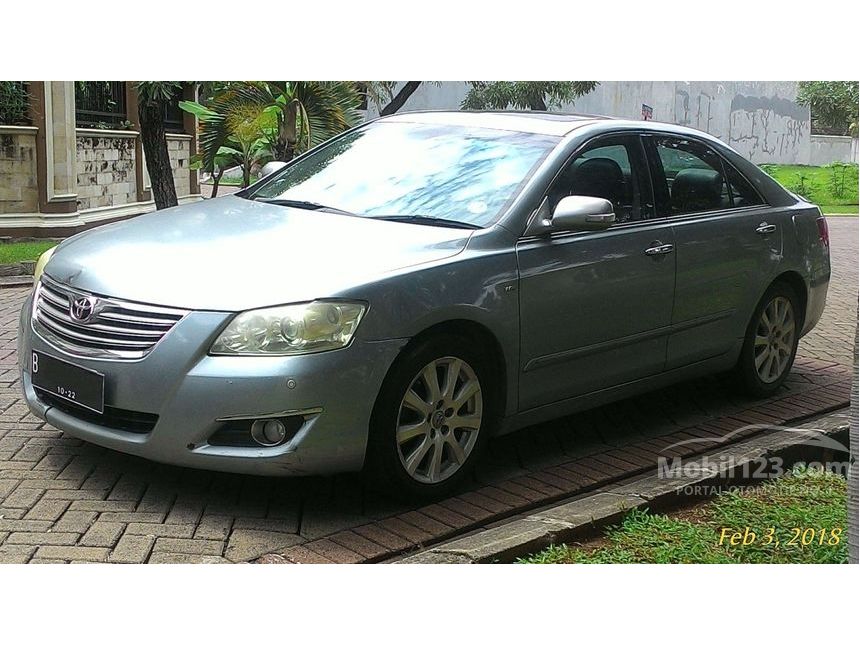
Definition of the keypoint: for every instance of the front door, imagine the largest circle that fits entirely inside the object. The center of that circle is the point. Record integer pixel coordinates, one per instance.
(595, 307)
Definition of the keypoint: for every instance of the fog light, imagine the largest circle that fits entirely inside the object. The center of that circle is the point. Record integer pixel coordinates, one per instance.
(268, 432)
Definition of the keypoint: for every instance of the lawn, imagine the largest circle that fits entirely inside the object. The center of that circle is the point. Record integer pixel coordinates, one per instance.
(22, 251)
(229, 181)
(802, 508)
(832, 187)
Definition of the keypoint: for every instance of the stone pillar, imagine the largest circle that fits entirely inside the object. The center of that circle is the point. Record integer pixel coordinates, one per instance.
(189, 122)
(54, 112)
(144, 194)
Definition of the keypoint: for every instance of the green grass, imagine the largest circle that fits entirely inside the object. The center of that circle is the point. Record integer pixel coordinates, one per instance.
(844, 211)
(804, 499)
(833, 187)
(228, 181)
(22, 251)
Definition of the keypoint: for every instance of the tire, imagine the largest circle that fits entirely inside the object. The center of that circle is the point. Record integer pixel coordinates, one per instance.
(413, 430)
(769, 349)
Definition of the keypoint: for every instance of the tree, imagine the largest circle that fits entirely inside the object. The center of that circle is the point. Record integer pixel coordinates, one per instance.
(383, 95)
(251, 132)
(524, 95)
(832, 105)
(225, 159)
(153, 97)
(291, 116)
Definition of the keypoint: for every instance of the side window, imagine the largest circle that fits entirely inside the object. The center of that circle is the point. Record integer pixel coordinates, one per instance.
(689, 178)
(609, 169)
(743, 194)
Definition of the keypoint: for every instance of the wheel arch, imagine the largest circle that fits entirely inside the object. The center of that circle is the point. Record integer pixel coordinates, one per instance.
(798, 284)
(484, 338)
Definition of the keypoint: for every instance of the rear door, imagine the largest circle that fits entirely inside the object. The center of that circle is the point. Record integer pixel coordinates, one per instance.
(725, 245)
(595, 306)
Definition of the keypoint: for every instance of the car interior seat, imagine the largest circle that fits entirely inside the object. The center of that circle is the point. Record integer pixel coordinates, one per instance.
(696, 189)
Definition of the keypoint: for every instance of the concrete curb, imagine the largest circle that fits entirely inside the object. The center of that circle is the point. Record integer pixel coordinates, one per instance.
(13, 281)
(584, 517)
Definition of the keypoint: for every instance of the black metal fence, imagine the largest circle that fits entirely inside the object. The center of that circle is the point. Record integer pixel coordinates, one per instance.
(100, 104)
(173, 115)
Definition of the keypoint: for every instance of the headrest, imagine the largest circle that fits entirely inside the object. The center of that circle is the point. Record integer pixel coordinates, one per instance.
(696, 189)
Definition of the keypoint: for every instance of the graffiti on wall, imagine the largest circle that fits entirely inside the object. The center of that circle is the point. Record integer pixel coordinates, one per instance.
(695, 111)
(763, 128)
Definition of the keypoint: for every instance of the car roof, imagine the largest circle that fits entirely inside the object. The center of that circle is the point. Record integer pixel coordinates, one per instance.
(547, 123)
(551, 123)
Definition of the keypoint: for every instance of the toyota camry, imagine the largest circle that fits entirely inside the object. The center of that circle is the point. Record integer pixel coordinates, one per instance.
(397, 296)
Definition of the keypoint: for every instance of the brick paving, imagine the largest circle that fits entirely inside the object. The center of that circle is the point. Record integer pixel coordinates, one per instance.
(63, 500)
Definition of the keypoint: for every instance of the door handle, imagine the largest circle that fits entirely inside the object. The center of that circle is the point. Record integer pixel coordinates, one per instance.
(660, 249)
(764, 228)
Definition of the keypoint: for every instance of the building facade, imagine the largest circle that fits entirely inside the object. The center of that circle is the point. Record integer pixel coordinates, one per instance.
(79, 163)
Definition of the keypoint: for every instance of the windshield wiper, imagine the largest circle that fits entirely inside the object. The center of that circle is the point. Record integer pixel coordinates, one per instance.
(301, 203)
(431, 221)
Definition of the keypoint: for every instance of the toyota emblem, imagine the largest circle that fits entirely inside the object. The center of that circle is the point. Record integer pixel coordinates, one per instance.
(82, 309)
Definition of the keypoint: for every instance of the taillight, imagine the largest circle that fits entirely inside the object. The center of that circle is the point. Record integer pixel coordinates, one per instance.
(823, 232)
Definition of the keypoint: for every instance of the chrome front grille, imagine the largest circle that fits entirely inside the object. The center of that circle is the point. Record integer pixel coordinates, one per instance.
(115, 329)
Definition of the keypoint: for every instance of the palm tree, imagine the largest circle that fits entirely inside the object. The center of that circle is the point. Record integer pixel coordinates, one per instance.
(291, 116)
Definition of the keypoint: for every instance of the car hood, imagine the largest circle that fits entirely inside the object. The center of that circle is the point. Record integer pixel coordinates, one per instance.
(230, 254)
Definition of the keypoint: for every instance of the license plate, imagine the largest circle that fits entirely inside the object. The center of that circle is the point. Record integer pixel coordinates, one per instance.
(71, 383)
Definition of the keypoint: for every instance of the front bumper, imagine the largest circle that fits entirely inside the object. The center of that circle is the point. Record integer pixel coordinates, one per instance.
(190, 390)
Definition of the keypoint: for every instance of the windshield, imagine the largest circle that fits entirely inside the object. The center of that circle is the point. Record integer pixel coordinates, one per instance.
(414, 170)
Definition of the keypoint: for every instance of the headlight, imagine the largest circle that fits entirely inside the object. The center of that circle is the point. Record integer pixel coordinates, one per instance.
(41, 262)
(291, 329)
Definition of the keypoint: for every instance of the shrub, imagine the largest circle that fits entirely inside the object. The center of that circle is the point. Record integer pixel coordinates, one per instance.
(803, 185)
(840, 178)
(14, 103)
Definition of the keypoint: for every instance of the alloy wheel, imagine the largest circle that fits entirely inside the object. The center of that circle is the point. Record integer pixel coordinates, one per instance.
(439, 420)
(774, 340)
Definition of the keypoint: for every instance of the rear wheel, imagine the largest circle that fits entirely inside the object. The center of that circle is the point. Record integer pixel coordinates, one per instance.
(432, 418)
(771, 341)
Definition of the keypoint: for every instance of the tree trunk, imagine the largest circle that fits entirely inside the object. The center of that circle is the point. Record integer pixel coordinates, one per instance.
(216, 180)
(289, 151)
(537, 103)
(400, 99)
(155, 150)
(288, 134)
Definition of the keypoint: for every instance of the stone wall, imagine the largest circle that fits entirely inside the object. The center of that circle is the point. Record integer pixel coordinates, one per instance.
(105, 169)
(179, 150)
(18, 190)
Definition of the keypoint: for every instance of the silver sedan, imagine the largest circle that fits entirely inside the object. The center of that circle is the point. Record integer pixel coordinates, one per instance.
(397, 296)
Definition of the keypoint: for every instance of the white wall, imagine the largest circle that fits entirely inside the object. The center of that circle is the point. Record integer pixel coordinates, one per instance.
(826, 149)
(758, 119)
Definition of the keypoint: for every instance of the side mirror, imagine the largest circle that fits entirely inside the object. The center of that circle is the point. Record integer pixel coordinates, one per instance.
(272, 166)
(574, 213)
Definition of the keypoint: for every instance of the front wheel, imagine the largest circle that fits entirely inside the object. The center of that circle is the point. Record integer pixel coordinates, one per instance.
(771, 341)
(432, 418)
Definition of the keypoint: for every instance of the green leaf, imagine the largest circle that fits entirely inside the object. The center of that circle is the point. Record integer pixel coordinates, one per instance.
(196, 109)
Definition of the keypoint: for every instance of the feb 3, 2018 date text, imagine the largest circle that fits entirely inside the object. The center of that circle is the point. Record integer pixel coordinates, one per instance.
(802, 537)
